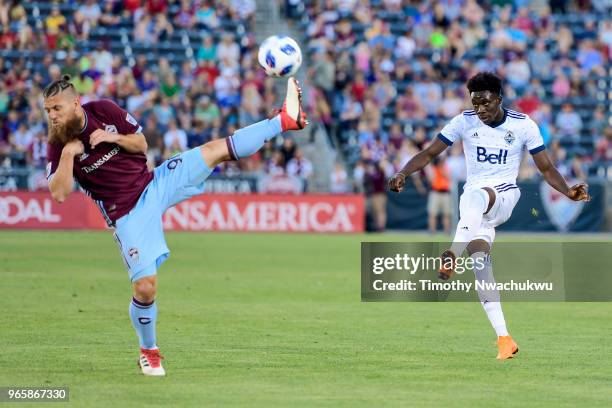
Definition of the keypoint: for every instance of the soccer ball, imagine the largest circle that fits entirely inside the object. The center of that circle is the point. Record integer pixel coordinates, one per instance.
(280, 56)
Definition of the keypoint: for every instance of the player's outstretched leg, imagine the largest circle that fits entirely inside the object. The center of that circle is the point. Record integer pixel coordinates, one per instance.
(474, 204)
(490, 300)
(247, 141)
(143, 314)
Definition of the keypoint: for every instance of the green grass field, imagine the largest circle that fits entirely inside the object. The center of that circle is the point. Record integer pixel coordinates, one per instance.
(276, 320)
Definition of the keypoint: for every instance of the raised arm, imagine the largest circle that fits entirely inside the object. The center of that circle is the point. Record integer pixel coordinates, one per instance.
(552, 176)
(133, 143)
(419, 161)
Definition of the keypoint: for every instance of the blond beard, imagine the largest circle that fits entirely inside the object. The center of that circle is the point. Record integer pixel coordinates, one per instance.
(62, 134)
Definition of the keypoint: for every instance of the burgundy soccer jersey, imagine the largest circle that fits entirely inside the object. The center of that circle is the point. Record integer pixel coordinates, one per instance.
(111, 176)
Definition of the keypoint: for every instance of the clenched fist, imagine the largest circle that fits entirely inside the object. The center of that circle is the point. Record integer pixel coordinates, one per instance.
(397, 182)
(579, 192)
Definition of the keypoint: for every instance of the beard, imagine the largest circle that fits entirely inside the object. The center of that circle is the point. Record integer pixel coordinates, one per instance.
(64, 133)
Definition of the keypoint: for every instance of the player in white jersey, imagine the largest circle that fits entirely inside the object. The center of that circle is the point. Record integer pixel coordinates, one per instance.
(493, 141)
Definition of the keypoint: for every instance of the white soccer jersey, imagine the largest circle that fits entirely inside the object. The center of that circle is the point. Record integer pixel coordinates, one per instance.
(493, 153)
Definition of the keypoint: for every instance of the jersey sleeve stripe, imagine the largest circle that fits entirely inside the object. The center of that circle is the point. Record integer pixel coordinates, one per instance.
(537, 149)
(444, 139)
(516, 113)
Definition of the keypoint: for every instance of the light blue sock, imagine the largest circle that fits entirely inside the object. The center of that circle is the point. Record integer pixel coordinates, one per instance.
(247, 141)
(144, 318)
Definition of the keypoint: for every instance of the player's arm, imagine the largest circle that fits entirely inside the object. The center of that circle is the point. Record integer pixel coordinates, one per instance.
(419, 161)
(133, 143)
(61, 182)
(552, 176)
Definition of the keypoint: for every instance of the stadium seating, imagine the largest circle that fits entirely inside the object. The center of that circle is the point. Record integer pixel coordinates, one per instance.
(182, 44)
(402, 21)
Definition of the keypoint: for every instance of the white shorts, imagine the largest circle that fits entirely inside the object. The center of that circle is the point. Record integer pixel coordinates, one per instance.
(506, 197)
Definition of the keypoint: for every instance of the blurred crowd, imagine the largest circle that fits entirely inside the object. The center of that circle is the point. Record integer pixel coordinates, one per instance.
(388, 74)
(384, 76)
(180, 100)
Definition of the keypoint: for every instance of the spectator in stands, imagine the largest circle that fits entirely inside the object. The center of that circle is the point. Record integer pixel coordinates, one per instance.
(170, 87)
(603, 153)
(451, 104)
(164, 112)
(529, 102)
(208, 49)
(250, 105)
(79, 26)
(299, 166)
(53, 23)
(175, 139)
(107, 18)
(565, 39)
(185, 17)
(162, 29)
(383, 91)
(540, 60)
(456, 163)
(243, 9)
(323, 73)
(569, 123)
(561, 86)
(339, 182)
(206, 15)
(143, 30)
(590, 59)
(37, 150)
(228, 49)
(102, 59)
(227, 89)
(408, 106)
(600, 122)
(275, 165)
(207, 112)
(439, 199)
(375, 179)
(91, 11)
(21, 138)
(578, 167)
(517, 72)
(157, 6)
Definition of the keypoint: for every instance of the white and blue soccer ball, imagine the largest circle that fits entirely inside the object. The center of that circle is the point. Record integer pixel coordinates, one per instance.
(280, 56)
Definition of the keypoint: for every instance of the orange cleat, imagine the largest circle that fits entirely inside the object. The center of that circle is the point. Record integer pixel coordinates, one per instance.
(448, 265)
(507, 347)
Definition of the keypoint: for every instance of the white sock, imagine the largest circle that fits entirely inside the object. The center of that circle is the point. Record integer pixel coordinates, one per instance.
(472, 208)
(489, 299)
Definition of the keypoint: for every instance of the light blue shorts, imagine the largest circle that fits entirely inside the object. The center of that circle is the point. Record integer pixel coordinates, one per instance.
(140, 234)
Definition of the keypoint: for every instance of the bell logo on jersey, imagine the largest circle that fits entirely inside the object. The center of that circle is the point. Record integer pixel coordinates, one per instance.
(493, 158)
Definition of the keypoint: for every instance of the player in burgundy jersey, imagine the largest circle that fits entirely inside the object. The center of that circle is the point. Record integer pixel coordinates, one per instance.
(103, 148)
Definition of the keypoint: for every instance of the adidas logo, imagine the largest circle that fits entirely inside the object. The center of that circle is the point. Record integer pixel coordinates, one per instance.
(465, 228)
(475, 135)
